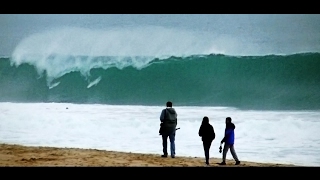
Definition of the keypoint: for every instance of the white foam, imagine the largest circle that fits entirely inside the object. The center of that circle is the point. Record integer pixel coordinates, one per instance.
(262, 136)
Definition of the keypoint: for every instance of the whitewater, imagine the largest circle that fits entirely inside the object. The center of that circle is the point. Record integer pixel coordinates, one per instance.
(262, 136)
(105, 89)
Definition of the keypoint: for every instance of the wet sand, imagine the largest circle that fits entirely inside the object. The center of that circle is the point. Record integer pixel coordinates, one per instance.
(17, 155)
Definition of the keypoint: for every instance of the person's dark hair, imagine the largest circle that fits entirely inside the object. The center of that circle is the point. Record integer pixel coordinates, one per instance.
(228, 119)
(169, 104)
(205, 120)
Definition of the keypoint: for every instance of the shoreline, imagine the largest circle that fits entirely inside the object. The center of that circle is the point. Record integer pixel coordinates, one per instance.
(13, 155)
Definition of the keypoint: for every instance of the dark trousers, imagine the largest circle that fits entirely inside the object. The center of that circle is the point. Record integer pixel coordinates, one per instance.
(171, 136)
(206, 148)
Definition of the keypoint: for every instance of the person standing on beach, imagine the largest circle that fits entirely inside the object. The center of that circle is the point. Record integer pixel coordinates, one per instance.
(206, 132)
(168, 118)
(228, 141)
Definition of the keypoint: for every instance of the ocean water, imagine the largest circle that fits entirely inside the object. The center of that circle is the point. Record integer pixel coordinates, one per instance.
(263, 136)
(60, 90)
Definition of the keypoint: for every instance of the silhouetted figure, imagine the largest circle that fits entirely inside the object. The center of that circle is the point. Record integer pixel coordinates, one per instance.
(228, 141)
(206, 132)
(168, 120)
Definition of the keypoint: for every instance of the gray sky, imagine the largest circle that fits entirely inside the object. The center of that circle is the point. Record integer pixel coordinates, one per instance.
(280, 33)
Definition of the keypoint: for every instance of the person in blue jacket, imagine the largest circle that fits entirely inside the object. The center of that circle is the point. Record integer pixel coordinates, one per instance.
(228, 141)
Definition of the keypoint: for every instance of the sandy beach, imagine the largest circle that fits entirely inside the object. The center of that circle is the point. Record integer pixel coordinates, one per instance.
(25, 156)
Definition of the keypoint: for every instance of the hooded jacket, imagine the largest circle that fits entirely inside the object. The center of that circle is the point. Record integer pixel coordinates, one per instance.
(229, 134)
(169, 119)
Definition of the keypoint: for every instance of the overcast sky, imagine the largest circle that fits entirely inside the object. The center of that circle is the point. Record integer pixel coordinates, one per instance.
(295, 28)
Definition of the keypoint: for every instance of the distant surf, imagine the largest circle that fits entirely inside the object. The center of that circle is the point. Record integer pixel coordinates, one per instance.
(276, 82)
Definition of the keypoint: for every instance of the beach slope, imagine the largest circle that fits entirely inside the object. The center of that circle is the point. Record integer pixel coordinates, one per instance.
(17, 155)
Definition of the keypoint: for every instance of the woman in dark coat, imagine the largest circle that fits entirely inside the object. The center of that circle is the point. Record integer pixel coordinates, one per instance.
(206, 132)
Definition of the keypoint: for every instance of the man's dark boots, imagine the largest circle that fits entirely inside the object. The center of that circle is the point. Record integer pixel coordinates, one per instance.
(164, 156)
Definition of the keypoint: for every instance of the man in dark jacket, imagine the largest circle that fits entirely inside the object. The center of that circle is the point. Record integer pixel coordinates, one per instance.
(206, 132)
(168, 119)
(228, 141)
